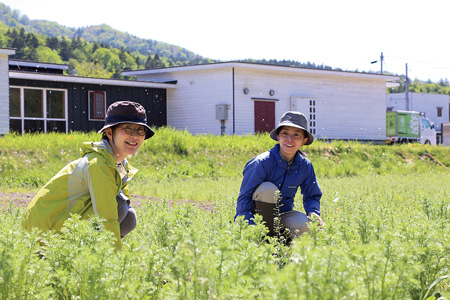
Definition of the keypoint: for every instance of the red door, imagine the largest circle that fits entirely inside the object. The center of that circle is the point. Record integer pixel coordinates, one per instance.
(264, 116)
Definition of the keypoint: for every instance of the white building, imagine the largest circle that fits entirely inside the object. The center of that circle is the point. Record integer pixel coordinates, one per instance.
(338, 105)
(4, 89)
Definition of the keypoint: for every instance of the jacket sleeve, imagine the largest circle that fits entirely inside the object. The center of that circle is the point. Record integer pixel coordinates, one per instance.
(104, 184)
(254, 175)
(131, 171)
(311, 192)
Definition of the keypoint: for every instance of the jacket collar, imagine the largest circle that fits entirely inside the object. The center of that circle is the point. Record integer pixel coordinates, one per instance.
(280, 160)
(109, 148)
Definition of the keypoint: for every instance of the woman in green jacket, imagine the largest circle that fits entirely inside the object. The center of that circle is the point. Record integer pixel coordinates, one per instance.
(96, 183)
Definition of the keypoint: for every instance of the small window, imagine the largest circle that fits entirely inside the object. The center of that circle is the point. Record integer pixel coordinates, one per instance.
(34, 105)
(55, 104)
(14, 102)
(439, 111)
(312, 116)
(97, 106)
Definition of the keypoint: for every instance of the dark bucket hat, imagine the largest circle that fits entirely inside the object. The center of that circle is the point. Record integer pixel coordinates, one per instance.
(293, 119)
(127, 112)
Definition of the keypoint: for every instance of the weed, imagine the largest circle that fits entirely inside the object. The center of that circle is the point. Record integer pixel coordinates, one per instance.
(387, 234)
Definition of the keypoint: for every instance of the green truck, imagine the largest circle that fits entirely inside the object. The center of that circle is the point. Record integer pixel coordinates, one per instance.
(409, 127)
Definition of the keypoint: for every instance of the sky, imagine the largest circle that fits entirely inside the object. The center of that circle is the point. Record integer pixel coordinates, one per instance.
(347, 34)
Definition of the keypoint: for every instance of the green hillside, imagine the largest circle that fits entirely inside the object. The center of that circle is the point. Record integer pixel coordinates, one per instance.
(102, 51)
(102, 34)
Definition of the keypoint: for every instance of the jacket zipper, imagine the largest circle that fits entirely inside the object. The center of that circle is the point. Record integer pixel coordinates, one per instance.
(287, 172)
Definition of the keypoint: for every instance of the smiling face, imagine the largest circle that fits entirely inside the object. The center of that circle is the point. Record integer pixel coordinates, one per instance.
(291, 139)
(123, 143)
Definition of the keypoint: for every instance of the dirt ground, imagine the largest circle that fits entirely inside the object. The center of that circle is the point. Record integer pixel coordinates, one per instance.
(22, 200)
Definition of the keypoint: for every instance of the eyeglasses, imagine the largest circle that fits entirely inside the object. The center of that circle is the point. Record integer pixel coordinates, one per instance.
(294, 136)
(141, 131)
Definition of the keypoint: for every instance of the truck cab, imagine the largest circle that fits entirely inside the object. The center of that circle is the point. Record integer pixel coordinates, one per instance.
(427, 131)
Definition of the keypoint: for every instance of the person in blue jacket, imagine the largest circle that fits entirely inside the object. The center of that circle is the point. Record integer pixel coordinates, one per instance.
(272, 179)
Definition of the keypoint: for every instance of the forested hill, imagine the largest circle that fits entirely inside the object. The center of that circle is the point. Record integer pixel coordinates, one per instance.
(105, 36)
(102, 51)
(101, 34)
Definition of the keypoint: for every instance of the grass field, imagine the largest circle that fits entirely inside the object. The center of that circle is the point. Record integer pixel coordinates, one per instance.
(386, 210)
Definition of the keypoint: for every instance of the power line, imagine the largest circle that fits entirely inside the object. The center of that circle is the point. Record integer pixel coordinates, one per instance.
(421, 61)
(418, 66)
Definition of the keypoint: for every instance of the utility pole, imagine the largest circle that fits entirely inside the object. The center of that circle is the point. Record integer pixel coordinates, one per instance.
(381, 60)
(406, 87)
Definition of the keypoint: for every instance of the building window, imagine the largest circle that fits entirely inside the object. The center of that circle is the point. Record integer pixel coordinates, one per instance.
(33, 105)
(15, 123)
(439, 111)
(37, 110)
(97, 106)
(14, 102)
(312, 116)
(55, 104)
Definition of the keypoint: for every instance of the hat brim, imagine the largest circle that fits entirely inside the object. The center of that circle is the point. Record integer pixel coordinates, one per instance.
(149, 133)
(273, 133)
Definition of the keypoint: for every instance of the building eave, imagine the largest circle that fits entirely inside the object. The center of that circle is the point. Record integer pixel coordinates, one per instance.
(8, 51)
(392, 84)
(89, 80)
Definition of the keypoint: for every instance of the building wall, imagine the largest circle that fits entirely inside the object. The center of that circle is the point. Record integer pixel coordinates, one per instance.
(347, 107)
(192, 105)
(422, 102)
(4, 94)
(153, 99)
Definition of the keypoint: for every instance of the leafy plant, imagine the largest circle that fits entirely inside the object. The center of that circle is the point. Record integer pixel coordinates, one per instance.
(387, 232)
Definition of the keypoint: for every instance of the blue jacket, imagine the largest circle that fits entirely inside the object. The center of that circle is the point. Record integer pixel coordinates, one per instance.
(271, 167)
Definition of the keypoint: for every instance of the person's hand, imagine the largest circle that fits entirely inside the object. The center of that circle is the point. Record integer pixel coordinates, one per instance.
(316, 218)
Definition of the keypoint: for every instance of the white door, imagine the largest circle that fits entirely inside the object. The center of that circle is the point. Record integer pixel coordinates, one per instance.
(307, 106)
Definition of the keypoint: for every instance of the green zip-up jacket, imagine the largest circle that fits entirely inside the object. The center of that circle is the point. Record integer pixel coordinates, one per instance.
(87, 186)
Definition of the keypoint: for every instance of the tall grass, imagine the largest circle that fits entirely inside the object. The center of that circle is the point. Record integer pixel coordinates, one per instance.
(29, 161)
(384, 239)
(386, 209)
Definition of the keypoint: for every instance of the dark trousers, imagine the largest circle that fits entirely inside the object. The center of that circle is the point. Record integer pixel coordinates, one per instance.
(127, 215)
(265, 201)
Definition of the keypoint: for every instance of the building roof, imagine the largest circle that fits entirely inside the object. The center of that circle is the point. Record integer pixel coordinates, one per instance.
(33, 70)
(89, 80)
(389, 78)
(37, 65)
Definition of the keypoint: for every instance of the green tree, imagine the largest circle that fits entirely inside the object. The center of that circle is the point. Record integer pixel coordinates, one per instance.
(149, 62)
(77, 43)
(52, 42)
(95, 46)
(32, 41)
(89, 69)
(19, 42)
(64, 50)
(105, 57)
(79, 55)
(45, 54)
(154, 62)
(138, 62)
(128, 62)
